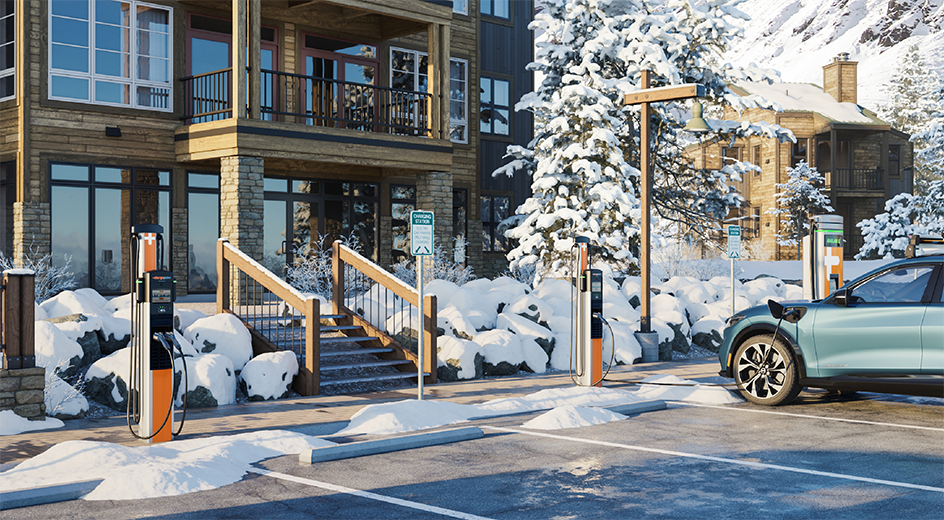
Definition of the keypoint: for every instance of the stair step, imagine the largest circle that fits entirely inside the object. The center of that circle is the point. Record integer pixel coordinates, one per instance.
(335, 328)
(345, 339)
(367, 364)
(365, 379)
(333, 316)
(356, 351)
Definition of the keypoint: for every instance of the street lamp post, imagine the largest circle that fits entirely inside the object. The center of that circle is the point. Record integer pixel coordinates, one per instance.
(643, 98)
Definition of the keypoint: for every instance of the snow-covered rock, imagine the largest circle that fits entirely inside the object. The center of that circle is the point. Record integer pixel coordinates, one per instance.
(84, 330)
(553, 287)
(106, 381)
(269, 376)
(211, 381)
(461, 326)
(442, 289)
(526, 328)
(459, 359)
(708, 332)
(55, 350)
(504, 352)
(186, 317)
(222, 334)
(70, 302)
(627, 347)
(529, 307)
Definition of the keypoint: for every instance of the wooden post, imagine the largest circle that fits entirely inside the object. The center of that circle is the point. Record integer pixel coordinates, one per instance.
(18, 320)
(240, 61)
(645, 226)
(255, 59)
(312, 382)
(222, 277)
(337, 278)
(429, 340)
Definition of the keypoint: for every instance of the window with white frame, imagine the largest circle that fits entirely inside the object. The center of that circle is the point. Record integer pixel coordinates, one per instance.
(111, 52)
(7, 49)
(460, 6)
(408, 71)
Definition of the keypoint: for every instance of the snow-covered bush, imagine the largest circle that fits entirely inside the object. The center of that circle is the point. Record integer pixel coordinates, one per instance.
(64, 399)
(443, 266)
(799, 198)
(887, 234)
(50, 279)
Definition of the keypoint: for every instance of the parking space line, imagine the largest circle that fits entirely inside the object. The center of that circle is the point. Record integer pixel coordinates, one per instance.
(758, 465)
(808, 416)
(368, 494)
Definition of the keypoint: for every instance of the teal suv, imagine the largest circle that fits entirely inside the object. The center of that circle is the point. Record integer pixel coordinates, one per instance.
(883, 332)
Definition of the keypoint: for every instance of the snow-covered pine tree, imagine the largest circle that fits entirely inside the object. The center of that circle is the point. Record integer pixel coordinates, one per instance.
(584, 159)
(886, 235)
(799, 198)
(916, 95)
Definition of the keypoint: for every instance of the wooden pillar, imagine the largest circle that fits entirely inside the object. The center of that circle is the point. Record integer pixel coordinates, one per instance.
(436, 49)
(18, 334)
(429, 338)
(240, 60)
(883, 153)
(255, 59)
(833, 143)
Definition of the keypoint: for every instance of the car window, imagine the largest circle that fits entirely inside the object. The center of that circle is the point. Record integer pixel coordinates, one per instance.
(901, 285)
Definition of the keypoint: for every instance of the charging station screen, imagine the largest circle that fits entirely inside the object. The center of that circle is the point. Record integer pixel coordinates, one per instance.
(596, 286)
(833, 240)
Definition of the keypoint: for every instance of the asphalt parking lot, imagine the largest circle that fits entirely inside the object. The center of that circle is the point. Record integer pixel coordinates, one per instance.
(825, 456)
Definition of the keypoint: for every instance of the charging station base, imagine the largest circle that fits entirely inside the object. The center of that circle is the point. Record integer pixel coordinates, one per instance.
(649, 341)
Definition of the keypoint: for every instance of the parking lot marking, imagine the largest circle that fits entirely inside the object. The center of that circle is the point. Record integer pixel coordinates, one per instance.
(368, 494)
(810, 416)
(758, 465)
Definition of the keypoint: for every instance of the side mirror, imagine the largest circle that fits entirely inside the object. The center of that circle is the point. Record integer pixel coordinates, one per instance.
(841, 297)
(776, 310)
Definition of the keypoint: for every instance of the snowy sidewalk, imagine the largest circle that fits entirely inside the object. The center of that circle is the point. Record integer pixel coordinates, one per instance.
(325, 415)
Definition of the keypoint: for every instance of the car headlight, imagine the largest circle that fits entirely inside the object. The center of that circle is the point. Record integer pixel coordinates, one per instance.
(733, 320)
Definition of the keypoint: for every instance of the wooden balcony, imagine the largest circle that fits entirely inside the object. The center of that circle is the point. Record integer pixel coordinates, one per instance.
(855, 179)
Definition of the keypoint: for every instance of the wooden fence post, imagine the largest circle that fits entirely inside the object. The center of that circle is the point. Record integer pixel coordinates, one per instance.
(222, 277)
(18, 319)
(337, 278)
(312, 383)
(429, 341)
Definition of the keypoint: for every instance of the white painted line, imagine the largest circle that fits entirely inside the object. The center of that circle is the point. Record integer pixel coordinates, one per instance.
(758, 465)
(809, 416)
(368, 494)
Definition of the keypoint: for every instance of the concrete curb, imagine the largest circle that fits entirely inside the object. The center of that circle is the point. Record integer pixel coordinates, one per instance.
(359, 449)
(47, 494)
(633, 408)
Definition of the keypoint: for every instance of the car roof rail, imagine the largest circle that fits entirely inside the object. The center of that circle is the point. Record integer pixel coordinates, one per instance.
(925, 245)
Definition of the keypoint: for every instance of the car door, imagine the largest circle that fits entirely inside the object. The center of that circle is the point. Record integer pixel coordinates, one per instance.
(932, 331)
(879, 330)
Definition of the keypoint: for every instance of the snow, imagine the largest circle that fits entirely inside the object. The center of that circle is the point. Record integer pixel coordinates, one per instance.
(805, 97)
(269, 375)
(161, 470)
(572, 417)
(53, 347)
(211, 371)
(13, 424)
(222, 334)
(62, 399)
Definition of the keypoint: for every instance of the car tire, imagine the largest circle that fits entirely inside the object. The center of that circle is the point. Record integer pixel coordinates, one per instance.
(765, 372)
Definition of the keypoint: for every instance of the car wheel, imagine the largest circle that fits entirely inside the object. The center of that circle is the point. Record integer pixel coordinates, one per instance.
(766, 372)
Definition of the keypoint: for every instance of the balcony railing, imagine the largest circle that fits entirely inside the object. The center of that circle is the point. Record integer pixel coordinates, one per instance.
(313, 101)
(855, 179)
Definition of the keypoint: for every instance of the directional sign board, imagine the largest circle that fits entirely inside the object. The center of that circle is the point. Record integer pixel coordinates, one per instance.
(421, 233)
(734, 241)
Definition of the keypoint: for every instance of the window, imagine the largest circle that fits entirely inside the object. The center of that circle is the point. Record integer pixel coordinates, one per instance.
(901, 285)
(402, 202)
(203, 229)
(754, 222)
(493, 117)
(756, 158)
(408, 71)
(460, 6)
(7, 197)
(894, 161)
(93, 209)
(460, 208)
(494, 209)
(731, 155)
(799, 152)
(7, 49)
(496, 8)
(110, 52)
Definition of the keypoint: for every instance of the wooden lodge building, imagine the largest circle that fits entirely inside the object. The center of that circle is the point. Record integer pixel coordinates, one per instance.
(864, 160)
(336, 118)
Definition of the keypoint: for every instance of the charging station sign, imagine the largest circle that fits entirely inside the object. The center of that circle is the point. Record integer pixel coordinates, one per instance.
(734, 242)
(421, 233)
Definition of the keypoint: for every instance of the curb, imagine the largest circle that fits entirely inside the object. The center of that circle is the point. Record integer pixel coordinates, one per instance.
(359, 449)
(46, 494)
(633, 408)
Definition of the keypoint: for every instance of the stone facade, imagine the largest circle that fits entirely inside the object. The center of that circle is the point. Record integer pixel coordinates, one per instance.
(31, 230)
(180, 253)
(23, 391)
(434, 193)
(241, 203)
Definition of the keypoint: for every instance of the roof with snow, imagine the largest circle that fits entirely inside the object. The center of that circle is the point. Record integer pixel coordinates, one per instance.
(806, 97)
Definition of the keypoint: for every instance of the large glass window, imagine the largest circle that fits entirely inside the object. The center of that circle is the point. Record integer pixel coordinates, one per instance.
(894, 161)
(493, 210)
(7, 197)
(494, 106)
(7, 49)
(111, 52)
(460, 213)
(460, 6)
(496, 8)
(799, 152)
(458, 102)
(203, 228)
(402, 202)
(93, 210)
(408, 71)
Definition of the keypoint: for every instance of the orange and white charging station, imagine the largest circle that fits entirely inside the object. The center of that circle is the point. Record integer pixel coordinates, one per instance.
(151, 388)
(822, 257)
(587, 350)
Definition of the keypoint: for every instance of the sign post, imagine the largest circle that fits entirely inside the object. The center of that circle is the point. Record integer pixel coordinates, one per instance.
(421, 246)
(734, 251)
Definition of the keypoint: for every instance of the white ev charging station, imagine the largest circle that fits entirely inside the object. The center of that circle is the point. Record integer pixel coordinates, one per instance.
(587, 351)
(151, 388)
(822, 257)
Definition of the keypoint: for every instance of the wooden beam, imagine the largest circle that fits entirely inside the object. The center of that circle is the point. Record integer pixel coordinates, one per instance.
(349, 14)
(670, 93)
(302, 3)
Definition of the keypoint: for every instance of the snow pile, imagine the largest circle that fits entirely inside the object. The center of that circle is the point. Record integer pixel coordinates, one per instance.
(269, 376)
(167, 469)
(222, 334)
(572, 417)
(13, 424)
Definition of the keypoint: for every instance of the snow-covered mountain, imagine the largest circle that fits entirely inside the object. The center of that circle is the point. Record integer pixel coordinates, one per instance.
(798, 37)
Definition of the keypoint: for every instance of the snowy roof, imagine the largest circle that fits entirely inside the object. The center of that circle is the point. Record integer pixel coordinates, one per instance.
(806, 97)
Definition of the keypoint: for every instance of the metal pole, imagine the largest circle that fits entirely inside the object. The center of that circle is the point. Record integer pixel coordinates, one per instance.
(422, 328)
(732, 287)
(644, 163)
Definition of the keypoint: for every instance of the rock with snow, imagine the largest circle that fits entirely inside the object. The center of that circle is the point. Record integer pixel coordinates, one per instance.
(63, 401)
(707, 333)
(71, 302)
(792, 292)
(620, 310)
(222, 334)
(211, 381)
(559, 306)
(670, 310)
(55, 350)
(525, 328)
(459, 359)
(461, 327)
(474, 306)
(84, 331)
(106, 381)
(481, 285)
(553, 287)
(529, 307)
(184, 318)
(696, 293)
(503, 352)
(269, 376)
(38, 312)
(442, 289)
(499, 298)
(627, 347)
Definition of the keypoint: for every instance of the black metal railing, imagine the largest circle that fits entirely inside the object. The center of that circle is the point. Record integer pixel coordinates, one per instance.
(207, 96)
(855, 179)
(853, 243)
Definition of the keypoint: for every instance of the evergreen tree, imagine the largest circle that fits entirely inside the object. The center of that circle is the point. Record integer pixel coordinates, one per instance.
(917, 97)
(800, 198)
(584, 159)
(887, 234)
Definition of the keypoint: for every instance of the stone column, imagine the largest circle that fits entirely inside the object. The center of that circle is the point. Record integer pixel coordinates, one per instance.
(434, 193)
(180, 257)
(32, 230)
(241, 203)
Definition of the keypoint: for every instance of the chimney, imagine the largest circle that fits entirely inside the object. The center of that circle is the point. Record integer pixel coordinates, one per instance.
(840, 79)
